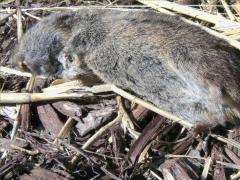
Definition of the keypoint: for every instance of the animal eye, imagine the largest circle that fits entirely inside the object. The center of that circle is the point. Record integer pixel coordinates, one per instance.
(23, 66)
(70, 58)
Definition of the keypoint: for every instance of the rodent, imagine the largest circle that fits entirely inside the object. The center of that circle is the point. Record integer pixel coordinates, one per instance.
(173, 64)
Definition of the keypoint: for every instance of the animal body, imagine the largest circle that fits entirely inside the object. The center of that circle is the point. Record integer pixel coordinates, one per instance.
(177, 66)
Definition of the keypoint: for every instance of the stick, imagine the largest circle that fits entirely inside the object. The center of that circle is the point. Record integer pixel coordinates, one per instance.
(228, 11)
(206, 168)
(12, 98)
(32, 16)
(102, 130)
(10, 71)
(221, 22)
(151, 107)
(8, 16)
(19, 21)
(65, 130)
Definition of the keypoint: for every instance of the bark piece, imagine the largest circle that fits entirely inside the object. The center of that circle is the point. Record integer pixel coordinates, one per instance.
(117, 141)
(182, 147)
(232, 156)
(149, 132)
(69, 109)
(178, 169)
(25, 116)
(94, 119)
(42, 174)
(218, 171)
(49, 119)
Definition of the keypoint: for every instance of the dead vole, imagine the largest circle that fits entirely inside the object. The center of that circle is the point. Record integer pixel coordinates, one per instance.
(175, 65)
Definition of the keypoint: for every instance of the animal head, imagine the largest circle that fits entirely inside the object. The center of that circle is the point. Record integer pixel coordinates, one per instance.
(37, 52)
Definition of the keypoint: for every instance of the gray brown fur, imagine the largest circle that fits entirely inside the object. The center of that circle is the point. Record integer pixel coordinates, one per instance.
(176, 66)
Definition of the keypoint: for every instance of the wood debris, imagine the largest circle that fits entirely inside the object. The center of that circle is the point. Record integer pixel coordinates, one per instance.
(91, 134)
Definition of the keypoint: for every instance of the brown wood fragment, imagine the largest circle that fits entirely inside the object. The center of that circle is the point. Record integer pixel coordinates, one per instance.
(94, 119)
(149, 132)
(47, 115)
(232, 156)
(69, 109)
(117, 141)
(25, 113)
(25, 116)
(49, 119)
(234, 134)
(139, 113)
(42, 174)
(218, 171)
(182, 147)
(236, 6)
(186, 2)
(178, 169)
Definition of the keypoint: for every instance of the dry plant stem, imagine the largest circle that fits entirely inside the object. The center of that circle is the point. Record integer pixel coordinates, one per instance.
(24, 150)
(6, 2)
(191, 12)
(65, 130)
(32, 16)
(231, 41)
(10, 71)
(232, 31)
(19, 35)
(24, 98)
(235, 36)
(74, 86)
(151, 107)
(82, 153)
(144, 153)
(226, 140)
(235, 176)
(73, 8)
(8, 16)
(155, 175)
(16, 123)
(102, 155)
(19, 24)
(206, 168)
(106, 127)
(126, 120)
(229, 165)
(227, 9)
(102, 130)
(184, 156)
(111, 3)
(86, 92)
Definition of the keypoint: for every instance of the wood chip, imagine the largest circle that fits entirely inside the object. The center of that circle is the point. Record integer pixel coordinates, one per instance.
(49, 119)
(42, 174)
(149, 132)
